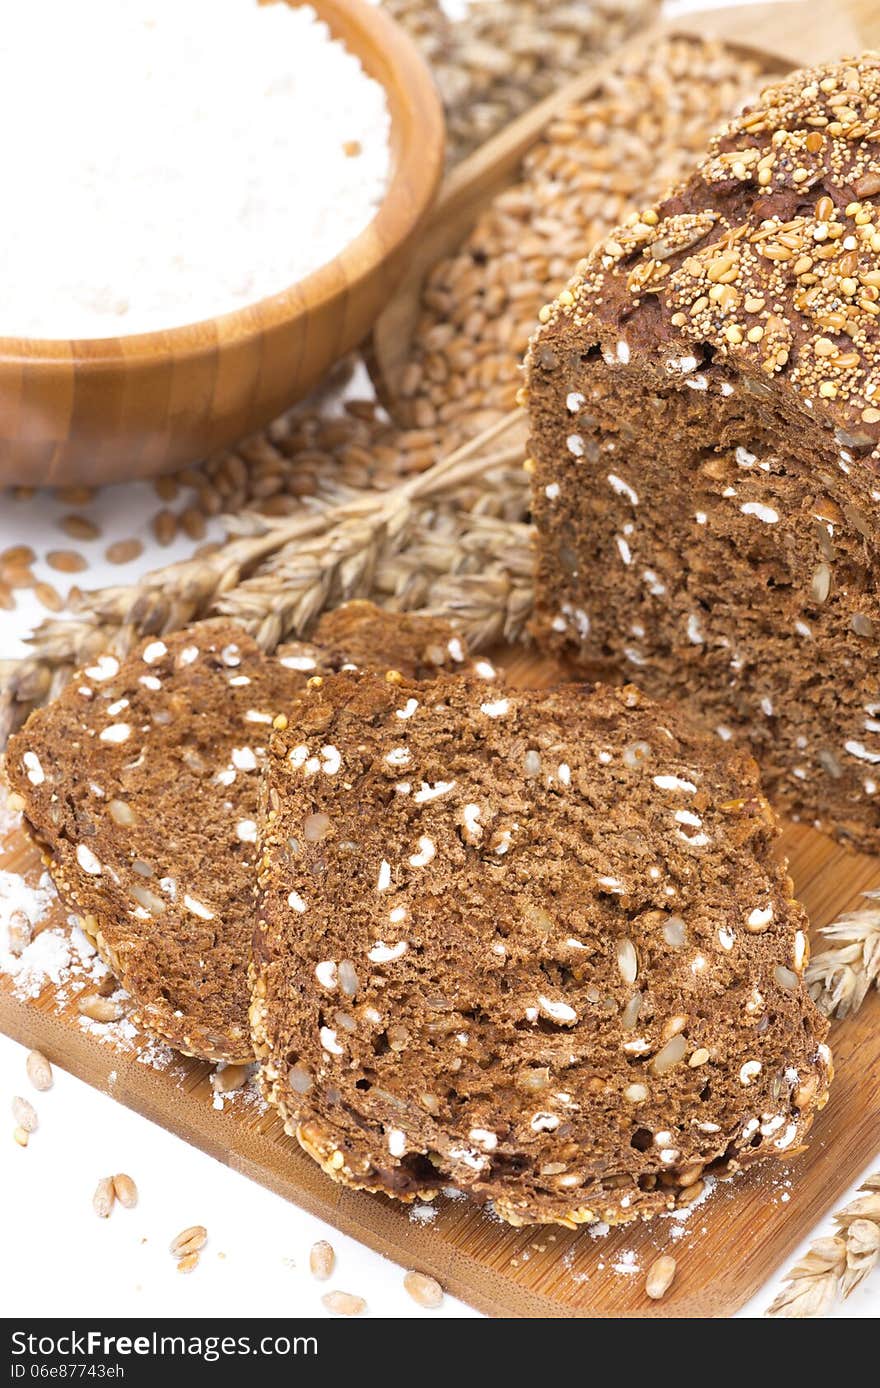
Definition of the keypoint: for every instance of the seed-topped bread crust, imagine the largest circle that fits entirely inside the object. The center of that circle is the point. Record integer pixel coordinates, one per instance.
(534, 945)
(141, 784)
(705, 400)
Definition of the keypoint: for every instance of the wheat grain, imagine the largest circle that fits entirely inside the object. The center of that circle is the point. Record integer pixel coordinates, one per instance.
(322, 1260)
(840, 978)
(501, 56)
(833, 1267)
(188, 1241)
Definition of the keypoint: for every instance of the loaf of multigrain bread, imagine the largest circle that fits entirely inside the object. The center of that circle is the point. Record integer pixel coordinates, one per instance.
(535, 945)
(141, 785)
(705, 408)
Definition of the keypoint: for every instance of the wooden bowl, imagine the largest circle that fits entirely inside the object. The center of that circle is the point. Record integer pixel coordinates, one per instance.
(94, 411)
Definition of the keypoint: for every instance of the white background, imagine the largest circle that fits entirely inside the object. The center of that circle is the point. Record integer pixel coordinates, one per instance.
(59, 1257)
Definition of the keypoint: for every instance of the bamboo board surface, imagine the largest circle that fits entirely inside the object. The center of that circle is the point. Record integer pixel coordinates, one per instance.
(729, 1244)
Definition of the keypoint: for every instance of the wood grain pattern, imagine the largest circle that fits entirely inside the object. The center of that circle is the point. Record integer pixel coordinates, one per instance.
(778, 36)
(102, 411)
(726, 1249)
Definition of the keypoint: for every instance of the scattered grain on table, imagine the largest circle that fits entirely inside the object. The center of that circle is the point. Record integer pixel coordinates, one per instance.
(322, 1260)
(39, 1071)
(188, 1241)
(66, 561)
(123, 551)
(48, 597)
(79, 527)
(125, 1190)
(103, 1198)
(344, 1303)
(25, 1114)
(425, 1291)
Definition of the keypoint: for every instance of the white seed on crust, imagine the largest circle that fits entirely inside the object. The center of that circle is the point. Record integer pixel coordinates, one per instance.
(33, 767)
(495, 708)
(243, 759)
(104, 668)
(762, 513)
(198, 908)
(387, 954)
(635, 1093)
(325, 973)
(431, 792)
(426, 852)
(674, 783)
(627, 960)
(758, 919)
(543, 1122)
(556, 1011)
(329, 1042)
(484, 1138)
(87, 860)
(787, 1137)
(332, 760)
(472, 829)
(396, 1142)
(398, 756)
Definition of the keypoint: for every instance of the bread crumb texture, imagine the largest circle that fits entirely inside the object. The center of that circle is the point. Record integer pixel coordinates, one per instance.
(536, 946)
(706, 435)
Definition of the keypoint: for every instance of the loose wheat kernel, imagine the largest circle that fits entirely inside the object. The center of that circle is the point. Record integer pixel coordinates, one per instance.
(660, 1277)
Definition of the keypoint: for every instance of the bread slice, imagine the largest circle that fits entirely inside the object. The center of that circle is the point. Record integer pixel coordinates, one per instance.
(141, 784)
(535, 945)
(705, 408)
(369, 637)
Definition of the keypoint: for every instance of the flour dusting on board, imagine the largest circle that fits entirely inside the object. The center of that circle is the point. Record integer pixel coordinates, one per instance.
(31, 956)
(35, 954)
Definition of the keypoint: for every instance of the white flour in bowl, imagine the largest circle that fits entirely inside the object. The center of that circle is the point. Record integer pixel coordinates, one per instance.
(170, 160)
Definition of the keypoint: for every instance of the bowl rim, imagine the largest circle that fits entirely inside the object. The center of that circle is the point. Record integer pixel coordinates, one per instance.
(417, 168)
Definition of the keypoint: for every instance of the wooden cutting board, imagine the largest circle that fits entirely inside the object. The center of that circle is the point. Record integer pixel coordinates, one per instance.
(730, 1243)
